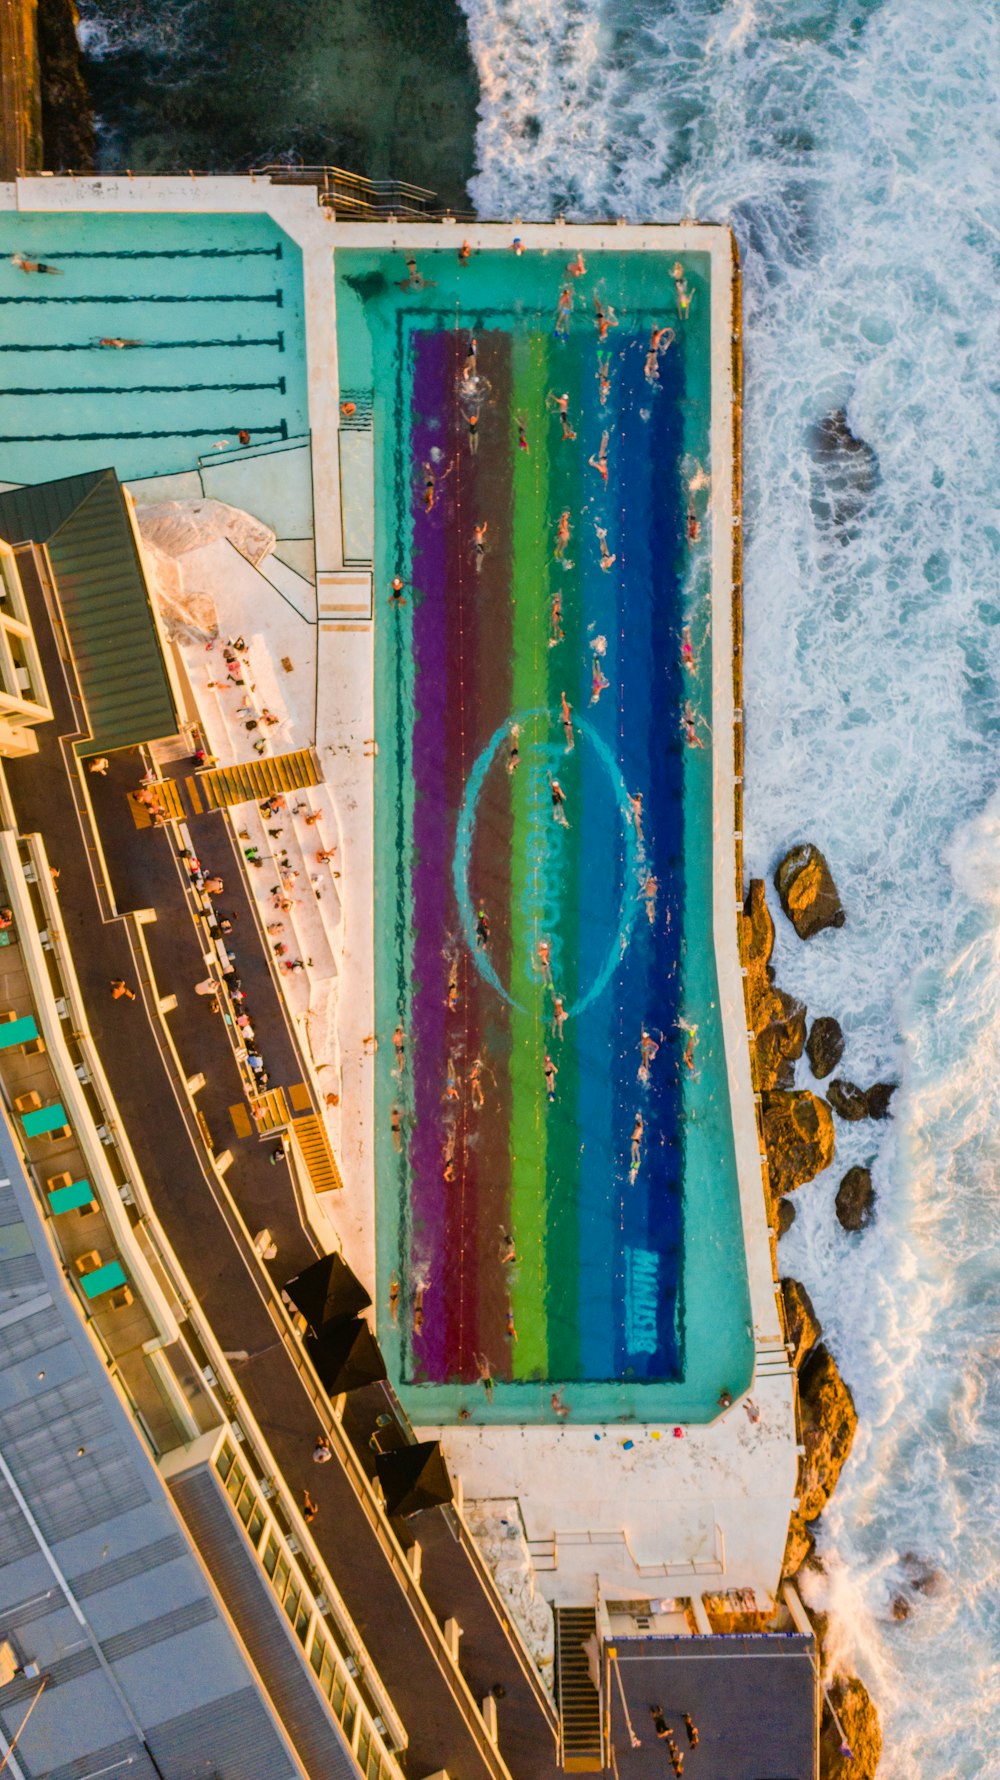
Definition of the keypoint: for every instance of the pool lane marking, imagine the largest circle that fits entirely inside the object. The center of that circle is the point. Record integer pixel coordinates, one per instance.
(277, 340)
(142, 389)
(199, 432)
(169, 253)
(112, 300)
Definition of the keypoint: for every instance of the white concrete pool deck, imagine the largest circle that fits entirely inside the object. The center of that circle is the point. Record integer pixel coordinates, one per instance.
(633, 1520)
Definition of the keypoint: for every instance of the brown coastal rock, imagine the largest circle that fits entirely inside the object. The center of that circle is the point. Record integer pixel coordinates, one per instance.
(848, 1100)
(808, 893)
(824, 1046)
(862, 1733)
(802, 1325)
(777, 1020)
(799, 1546)
(878, 1097)
(798, 1133)
(828, 1420)
(786, 1215)
(856, 1199)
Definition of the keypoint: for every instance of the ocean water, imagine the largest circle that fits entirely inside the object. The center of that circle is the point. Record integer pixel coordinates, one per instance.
(852, 147)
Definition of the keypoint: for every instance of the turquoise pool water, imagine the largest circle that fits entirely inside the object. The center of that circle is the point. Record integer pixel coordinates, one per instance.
(215, 306)
(519, 1232)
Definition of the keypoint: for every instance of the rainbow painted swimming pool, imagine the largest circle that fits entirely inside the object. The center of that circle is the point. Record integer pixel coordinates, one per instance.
(557, 1201)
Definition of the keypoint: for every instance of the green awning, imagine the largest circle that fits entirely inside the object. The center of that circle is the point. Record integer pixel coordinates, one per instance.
(84, 523)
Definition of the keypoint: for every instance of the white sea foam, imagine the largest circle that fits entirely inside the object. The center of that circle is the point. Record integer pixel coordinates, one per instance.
(852, 147)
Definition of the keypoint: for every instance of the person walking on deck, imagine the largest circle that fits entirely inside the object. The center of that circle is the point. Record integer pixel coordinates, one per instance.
(120, 990)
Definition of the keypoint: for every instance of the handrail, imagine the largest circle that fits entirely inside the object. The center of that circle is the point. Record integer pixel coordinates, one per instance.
(618, 1536)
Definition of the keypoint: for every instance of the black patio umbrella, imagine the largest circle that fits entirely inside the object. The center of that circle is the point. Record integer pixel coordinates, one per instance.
(327, 1292)
(346, 1356)
(414, 1478)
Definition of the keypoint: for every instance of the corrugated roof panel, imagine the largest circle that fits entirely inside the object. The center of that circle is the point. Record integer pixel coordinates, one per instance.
(116, 647)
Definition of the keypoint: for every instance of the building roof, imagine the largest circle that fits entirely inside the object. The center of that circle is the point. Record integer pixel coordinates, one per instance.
(85, 524)
(99, 1584)
(753, 1700)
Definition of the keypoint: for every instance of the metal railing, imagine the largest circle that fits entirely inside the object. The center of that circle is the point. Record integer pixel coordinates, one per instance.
(355, 196)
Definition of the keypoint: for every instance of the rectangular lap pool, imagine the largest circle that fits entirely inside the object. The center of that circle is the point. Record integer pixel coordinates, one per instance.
(557, 1202)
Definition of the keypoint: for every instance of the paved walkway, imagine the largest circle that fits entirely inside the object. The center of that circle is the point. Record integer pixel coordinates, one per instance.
(222, 1270)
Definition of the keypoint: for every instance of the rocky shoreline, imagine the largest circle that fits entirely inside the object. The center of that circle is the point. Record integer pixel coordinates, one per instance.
(799, 1133)
(69, 136)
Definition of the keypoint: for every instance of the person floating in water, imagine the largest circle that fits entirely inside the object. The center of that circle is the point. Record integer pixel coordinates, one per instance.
(576, 268)
(485, 1371)
(684, 295)
(514, 748)
(599, 681)
(543, 960)
(608, 558)
(688, 723)
(689, 1048)
(600, 462)
(605, 317)
(550, 1076)
(482, 929)
(566, 718)
(556, 632)
(564, 309)
(399, 1046)
(648, 1048)
(397, 597)
(603, 375)
(659, 340)
(475, 1079)
(451, 1088)
(558, 1016)
(559, 1408)
(479, 544)
(522, 431)
(649, 889)
(25, 265)
(561, 406)
(415, 279)
(635, 1143)
(635, 813)
(558, 803)
(563, 530)
(394, 1297)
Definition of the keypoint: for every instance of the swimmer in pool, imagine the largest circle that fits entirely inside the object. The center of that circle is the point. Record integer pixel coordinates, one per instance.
(648, 1048)
(397, 598)
(684, 295)
(465, 253)
(475, 1079)
(608, 558)
(451, 994)
(560, 404)
(120, 345)
(550, 1076)
(604, 316)
(688, 722)
(599, 681)
(508, 1248)
(558, 1016)
(600, 462)
(576, 268)
(485, 1372)
(635, 1145)
(399, 1046)
(430, 487)
(24, 265)
(563, 530)
(603, 375)
(479, 544)
(689, 1048)
(418, 1310)
(564, 309)
(511, 1331)
(451, 1089)
(543, 959)
(396, 1126)
(559, 1408)
(471, 365)
(558, 802)
(482, 930)
(648, 893)
(522, 431)
(660, 339)
(394, 1297)
(693, 525)
(472, 433)
(687, 650)
(556, 632)
(513, 748)
(566, 718)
